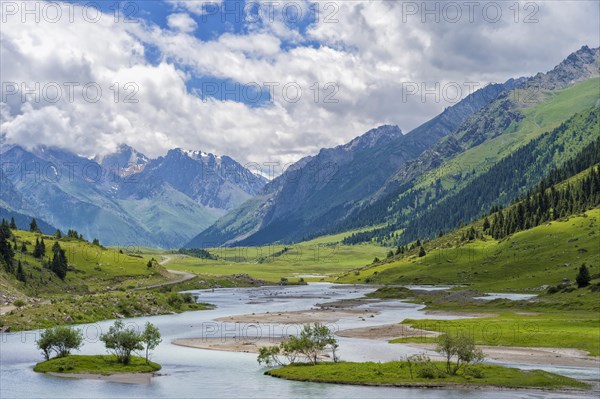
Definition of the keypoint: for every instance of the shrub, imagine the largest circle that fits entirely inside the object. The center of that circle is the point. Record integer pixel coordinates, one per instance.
(427, 371)
(19, 303)
(175, 300)
(460, 346)
(187, 297)
(552, 290)
(474, 372)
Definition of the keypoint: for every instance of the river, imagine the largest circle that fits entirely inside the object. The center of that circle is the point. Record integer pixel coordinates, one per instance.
(189, 372)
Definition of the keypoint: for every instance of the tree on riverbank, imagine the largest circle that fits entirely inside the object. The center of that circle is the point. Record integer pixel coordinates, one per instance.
(312, 343)
(460, 347)
(123, 341)
(60, 340)
(150, 338)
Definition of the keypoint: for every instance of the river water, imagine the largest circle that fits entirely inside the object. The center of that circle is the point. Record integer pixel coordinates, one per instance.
(189, 372)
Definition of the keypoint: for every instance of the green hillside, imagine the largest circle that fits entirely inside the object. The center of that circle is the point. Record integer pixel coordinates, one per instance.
(525, 261)
(100, 283)
(468, 184)
(519, 258)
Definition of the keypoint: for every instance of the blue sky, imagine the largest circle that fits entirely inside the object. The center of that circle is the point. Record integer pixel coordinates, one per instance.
(237, 17)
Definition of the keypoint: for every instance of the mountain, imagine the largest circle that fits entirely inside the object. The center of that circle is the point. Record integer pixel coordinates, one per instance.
(536, 106)
(212, 181)
(124, 162)
(404, 174)
(575, 140)
(318, 191)
(124, 198)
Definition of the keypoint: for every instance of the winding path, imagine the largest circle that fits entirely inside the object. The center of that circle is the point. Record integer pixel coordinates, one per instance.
(185, 276)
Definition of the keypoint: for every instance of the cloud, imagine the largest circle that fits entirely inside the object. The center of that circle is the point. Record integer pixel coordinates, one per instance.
(197, 7)
(181, 22)
(352, 74)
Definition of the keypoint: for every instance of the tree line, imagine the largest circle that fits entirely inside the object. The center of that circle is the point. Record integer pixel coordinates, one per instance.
(547, 204)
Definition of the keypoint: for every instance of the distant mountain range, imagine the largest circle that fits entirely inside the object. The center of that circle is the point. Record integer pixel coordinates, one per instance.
(385, 177)
(124, 198)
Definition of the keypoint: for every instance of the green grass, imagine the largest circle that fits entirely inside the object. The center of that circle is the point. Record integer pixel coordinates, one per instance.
(398, 374)
(99, 364)
(578, 330)
(94, 268)
(323, 259)
(522, 262)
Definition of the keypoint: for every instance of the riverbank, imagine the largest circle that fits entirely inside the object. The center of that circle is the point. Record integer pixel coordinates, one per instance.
(53, 310)
(228, 345)
(299, 317)
(565, 321)
(79, 309)
(401, 374)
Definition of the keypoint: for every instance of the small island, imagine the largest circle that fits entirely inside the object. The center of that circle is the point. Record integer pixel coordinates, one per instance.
(105, 367)
(118, 366)
(398, 374)
(302, 358)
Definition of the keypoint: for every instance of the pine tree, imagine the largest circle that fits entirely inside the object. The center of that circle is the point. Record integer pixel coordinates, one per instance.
(583, 277)
(13, 225)
(486, 224)
(33, 227)
(20, 273)
(422, 252)
(471, 234)
(5, 229)
(23, 247)
(39, 250)
(36, 249)
(58, 234)
(59, 264)
(6, 250)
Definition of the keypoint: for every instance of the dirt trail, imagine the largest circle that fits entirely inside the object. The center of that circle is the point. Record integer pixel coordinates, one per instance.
(185, 276)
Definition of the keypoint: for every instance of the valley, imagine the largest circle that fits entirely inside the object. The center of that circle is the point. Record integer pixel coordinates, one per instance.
(472, 240)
